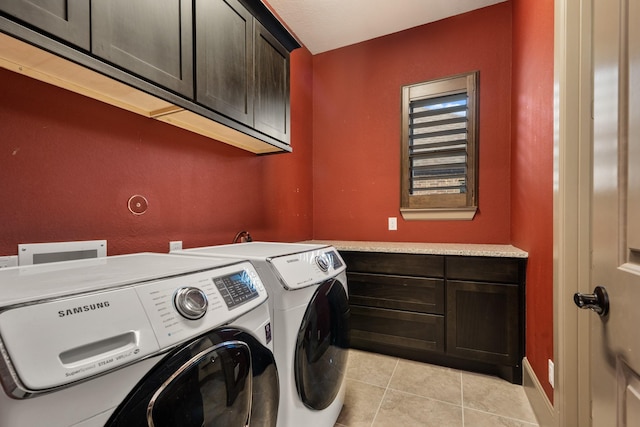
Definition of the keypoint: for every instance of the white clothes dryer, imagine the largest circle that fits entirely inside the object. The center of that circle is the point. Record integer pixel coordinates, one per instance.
(308, 295)
(136, 340)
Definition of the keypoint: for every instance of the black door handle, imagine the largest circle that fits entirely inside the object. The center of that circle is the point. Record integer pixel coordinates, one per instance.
(598, 301)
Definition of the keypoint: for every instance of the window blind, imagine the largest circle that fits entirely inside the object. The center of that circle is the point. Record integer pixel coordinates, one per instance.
(438, 142)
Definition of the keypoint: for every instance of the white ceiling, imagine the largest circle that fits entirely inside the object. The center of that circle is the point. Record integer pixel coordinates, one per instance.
(323, 25)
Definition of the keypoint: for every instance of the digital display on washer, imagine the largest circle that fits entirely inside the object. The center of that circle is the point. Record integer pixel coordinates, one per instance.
(236, 288)
(335, 259)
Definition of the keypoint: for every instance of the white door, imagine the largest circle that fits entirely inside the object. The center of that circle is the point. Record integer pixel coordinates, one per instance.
(615, 338)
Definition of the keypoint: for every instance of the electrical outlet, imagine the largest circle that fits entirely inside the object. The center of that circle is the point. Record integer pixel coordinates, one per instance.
(175, 246)
(8, 261)
(551, 373)
(393, 223)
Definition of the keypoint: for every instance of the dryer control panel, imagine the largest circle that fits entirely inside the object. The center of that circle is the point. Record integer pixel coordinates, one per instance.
(308, 268)
(48, 344)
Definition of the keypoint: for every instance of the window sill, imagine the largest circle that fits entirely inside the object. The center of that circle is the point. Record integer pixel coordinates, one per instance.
(442, 214)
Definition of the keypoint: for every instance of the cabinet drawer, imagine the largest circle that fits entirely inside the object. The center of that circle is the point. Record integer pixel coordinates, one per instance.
(392, 263)
(391, 328)
(397, 292)
(502, 270)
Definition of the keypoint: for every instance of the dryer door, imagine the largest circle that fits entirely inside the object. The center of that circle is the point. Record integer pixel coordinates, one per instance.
(204, 384)
(321, 348)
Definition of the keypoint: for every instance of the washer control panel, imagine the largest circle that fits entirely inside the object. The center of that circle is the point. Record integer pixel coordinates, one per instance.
(184, 307)
(56, 342)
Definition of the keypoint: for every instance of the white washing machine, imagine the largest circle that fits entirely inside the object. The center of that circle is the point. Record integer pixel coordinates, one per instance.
(136, 340)
(308, 292)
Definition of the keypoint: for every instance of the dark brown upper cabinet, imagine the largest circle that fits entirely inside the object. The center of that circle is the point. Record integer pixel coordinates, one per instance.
(242, 71)
(67, 20)
(224, 58)
(272, 85)
(219, 68)
(151, 38)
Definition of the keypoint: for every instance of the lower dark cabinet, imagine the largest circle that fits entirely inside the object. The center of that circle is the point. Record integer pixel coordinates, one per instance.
(465, 312)
(483, 322)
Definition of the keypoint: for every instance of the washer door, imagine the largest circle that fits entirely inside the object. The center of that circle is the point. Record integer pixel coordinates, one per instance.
(211, 389)
(208, 382)
(321, 348)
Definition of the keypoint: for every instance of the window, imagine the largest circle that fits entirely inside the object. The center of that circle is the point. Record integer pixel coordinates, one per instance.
(439, 149)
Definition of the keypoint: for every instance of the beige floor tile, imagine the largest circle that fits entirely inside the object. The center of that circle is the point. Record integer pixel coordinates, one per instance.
(496, 396)
(384, 391)
(482, 419)
(370, 368)
(426, 380)
(361, 402)
(407, 410)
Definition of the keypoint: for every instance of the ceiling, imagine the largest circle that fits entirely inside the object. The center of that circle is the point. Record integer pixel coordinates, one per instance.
(323, 25)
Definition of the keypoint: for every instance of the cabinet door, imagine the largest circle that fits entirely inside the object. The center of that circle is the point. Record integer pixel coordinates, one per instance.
(271, 107)
(483, 322)
(224, 58)
(66, 19)
(151, 38)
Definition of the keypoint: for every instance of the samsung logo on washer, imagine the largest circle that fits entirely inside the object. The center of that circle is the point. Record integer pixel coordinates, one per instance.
(83, 309)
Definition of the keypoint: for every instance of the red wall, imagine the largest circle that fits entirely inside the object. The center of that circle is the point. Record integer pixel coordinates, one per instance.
(356, 133)
(356, 128)
(68, 166)
(532, 171)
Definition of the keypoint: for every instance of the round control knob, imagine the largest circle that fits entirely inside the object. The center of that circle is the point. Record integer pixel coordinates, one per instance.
(322, 262)
(191, 302)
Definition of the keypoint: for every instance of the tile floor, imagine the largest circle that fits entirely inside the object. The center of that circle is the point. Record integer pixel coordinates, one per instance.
(386, 391)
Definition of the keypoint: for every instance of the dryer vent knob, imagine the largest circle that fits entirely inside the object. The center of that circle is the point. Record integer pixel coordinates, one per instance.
(191, 302)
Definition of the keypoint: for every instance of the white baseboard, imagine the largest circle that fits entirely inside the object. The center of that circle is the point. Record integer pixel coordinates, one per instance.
(540, 403)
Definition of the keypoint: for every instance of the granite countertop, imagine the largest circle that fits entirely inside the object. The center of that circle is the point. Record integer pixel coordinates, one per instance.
(506, 251)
